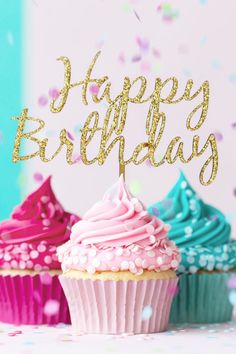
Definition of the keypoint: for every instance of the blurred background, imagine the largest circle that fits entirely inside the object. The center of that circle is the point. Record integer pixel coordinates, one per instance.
(187, 39)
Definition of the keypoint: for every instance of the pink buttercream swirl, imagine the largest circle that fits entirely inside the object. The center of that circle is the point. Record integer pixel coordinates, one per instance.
(29, 239)
(116, 234)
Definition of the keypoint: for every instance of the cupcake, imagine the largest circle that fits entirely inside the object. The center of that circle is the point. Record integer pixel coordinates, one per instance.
(208, 255)
(30, 289)
(119, 268)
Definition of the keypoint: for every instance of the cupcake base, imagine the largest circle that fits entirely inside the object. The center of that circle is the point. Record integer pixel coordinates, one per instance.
(202, 298)
(116, 306)
(32, 298)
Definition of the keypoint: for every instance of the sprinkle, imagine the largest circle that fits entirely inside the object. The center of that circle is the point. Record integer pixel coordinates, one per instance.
(44, 199)
(34, 254)
(96, 262)
(46, 222)
(91, 269)
(119, 252)
(147, 313)
(45, 278)
(183, 184)
(124, 265)
(48, 259)
(150, 229)
(193, 269)
(109, 256)
(131, 265)
(51, 307)
(37, 267)
(144, 263)
(41, 248)
(188, 230)
(159, 261)
(138, 262)
(152, 239)
(151, 254)
(174, 263)
(92, 252)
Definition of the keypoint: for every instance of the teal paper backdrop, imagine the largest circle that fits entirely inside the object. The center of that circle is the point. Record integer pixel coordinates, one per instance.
(10, 100)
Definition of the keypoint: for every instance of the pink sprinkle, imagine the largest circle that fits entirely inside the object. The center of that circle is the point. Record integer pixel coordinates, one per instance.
(38, 177)
(44, 199)
(94, 89)
(54, 93)
(51, 307)
(42, 101)
(34, 254)
(46, 222)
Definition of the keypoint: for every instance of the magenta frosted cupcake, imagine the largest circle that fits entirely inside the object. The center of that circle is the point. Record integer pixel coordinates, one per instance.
(117, 264)
(30, 291)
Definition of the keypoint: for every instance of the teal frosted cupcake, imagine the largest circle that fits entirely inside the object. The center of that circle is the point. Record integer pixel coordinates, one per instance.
(208, 255)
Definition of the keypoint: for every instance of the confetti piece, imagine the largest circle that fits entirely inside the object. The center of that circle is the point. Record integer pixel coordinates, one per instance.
(54, 93)
(136, 15)
(156, 53)
(233, 125)
(232, 78)
(147, 312)
(143, 44)
(145, 66)
(51, 307)
(218, 135)
(234, 192)
(136, 58)
(38, 177)
(94, 89)
(70, 136)
(203, 2)
(232, 282)
(45, 278)
(232, 297)
(215, 64)
(10, 39)
(42, 101)
(121, 58)
(135, 187)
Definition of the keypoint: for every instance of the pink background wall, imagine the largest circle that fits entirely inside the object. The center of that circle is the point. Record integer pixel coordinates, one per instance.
(195, 40)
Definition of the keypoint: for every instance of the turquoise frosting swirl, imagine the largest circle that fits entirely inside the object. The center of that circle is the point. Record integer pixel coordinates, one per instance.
(196, 227)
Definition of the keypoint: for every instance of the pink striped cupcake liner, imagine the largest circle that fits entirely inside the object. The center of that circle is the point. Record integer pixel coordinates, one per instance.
(116, 307)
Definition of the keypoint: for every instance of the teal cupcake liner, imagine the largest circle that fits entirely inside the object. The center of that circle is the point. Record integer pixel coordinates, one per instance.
(202, 298)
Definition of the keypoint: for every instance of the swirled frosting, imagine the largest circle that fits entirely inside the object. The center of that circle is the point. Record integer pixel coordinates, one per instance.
(195, 226)
(29, 239)
(118, 234)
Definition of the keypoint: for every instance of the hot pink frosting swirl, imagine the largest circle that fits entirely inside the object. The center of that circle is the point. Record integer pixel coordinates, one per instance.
(116, 234)
(29, 239)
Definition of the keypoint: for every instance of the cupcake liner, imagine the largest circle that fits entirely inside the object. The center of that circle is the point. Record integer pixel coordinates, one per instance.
(32, 300)
(115, 307)
(202, 298)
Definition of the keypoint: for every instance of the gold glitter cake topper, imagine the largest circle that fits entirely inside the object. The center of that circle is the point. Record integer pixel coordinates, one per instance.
(115, 121)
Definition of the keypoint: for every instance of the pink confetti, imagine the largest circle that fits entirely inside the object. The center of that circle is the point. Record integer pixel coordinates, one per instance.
(156, 53)
(148, 163)
(143, 44)
(145, 66)
(42, 101)
(76, 158)
(38, 177)
(219, 136)
(121, 58)
(94, 89)
(51, 307)
(232, 282)
(234, 192)
(54, 93)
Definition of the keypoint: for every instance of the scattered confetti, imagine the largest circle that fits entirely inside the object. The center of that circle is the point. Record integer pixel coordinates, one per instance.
(145, 67)
(38, 177)
(218, 135)
(135, 187)
(136, 58)
(143, 44)
(168, 14)
(147, 312)
(42, 101)
(54, 93)
(51, 307)
(233, 125)
(94, 89)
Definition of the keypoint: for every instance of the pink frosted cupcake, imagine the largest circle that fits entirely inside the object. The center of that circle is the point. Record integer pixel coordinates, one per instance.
(119, 268)
(30, 292)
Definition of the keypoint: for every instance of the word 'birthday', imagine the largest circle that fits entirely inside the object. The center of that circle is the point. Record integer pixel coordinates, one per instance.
(111, 128)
